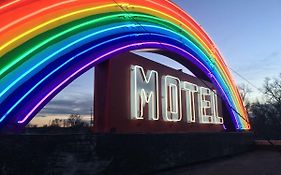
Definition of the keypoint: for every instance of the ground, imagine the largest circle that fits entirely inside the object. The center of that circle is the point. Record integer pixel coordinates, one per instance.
(258, 162)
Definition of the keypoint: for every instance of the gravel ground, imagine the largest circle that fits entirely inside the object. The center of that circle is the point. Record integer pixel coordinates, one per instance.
(258, 162)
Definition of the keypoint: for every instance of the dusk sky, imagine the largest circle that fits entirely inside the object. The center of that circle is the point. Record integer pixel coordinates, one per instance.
(247, 32)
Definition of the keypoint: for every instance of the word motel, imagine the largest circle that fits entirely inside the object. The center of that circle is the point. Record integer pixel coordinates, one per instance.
(170, 99)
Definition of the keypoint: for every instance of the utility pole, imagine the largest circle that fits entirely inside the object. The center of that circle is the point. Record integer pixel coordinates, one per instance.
(92, 118)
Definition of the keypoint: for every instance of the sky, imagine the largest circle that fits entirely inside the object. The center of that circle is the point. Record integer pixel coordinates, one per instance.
(247, 33)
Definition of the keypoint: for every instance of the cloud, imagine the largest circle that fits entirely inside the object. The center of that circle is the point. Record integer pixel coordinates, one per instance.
(259, 66)
(75, 105)
(40, 115)
(270, 56)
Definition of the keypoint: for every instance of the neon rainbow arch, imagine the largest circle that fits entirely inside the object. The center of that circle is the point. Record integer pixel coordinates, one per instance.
(45, 45)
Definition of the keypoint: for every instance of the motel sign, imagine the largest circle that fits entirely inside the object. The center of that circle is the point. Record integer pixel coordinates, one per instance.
(136, 95)
(145, 91)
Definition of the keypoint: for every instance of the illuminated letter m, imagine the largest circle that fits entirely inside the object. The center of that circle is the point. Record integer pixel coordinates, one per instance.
(144, 91)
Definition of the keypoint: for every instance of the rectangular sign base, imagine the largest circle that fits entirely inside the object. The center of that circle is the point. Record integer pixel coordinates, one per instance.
(136, 95)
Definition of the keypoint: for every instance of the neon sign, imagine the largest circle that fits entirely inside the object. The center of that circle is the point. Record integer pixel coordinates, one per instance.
(40, 57)
(145, 91)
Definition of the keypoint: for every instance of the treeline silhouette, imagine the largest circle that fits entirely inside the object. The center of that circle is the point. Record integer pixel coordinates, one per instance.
(265, 114)
(74, 120)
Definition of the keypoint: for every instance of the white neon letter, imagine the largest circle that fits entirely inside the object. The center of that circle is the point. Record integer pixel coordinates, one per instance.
(171, 99)
(190, 89)
(217, 119)
(144, 90)
(208, 107)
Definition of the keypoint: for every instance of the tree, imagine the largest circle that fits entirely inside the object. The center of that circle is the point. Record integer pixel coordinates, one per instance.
(75, 120)
(267, 116)
(56, 122)
(245, 91)
(272, 90)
